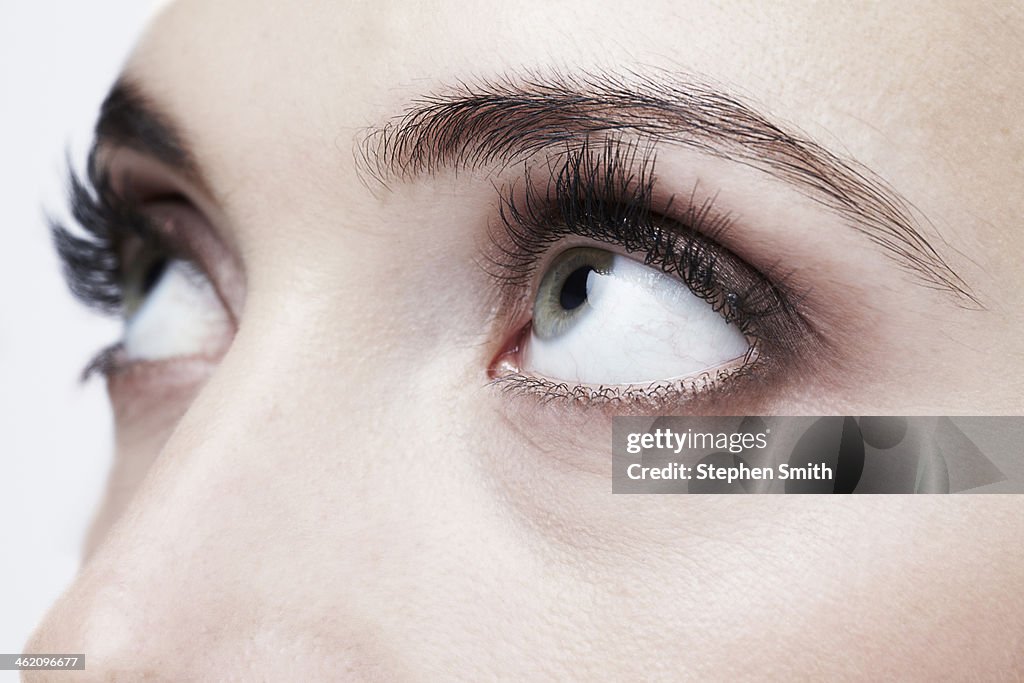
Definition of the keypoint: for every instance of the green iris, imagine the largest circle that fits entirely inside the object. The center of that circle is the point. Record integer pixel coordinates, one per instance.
(562, 295)
(140, 278)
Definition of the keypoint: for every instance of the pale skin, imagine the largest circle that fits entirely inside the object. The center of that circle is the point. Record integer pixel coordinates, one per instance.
(337, 492)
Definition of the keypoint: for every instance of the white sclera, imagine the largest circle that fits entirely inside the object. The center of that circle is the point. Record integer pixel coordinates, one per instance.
(181, 316)
(641, 326)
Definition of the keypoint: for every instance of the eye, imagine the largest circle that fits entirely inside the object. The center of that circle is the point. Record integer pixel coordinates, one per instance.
(144, 252)
(170, 309)
(603, 318)
(617, 291)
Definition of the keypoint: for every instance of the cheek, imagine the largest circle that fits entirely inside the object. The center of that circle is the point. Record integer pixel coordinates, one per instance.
(148, 401)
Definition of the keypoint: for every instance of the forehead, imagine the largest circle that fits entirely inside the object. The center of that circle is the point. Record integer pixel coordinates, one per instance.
(922, 94)
(787, 53)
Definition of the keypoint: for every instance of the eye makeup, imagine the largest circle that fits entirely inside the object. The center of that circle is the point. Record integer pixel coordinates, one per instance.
(604, 193)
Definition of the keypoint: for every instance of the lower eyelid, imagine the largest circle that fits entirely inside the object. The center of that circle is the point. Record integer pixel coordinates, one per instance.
(737, 389)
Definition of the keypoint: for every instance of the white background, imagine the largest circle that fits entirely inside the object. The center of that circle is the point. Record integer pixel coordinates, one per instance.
(57, 58)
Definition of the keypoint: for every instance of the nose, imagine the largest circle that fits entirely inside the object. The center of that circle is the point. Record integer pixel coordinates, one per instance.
(253, 549)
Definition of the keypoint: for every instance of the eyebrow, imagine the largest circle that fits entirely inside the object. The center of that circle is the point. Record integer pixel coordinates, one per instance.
(128, 118)
(486, 123)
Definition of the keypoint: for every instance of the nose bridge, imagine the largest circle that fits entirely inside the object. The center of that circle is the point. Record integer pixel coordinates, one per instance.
(279, 445)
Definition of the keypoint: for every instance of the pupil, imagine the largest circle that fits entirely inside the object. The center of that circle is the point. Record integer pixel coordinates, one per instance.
(574, 291)
(153, 275)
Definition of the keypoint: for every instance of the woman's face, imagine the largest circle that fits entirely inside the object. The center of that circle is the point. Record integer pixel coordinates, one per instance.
(364, 429)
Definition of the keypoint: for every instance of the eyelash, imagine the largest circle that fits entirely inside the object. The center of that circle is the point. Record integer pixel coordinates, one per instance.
(92, 263)
(91, 257)
(605, 193)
